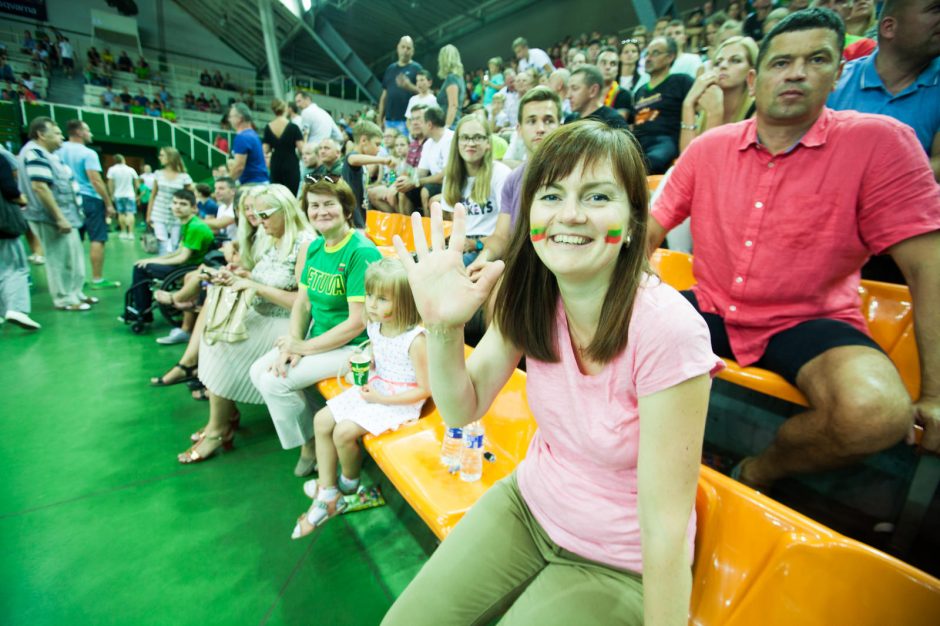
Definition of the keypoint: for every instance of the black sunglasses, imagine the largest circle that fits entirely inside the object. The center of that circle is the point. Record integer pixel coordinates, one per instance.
(330, 178)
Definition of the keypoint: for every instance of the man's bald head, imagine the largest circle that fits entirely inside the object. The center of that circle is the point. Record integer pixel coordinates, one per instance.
(406, 49)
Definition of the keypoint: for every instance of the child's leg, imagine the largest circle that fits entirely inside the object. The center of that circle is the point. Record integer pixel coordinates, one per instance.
(323, 427)
(346, 440)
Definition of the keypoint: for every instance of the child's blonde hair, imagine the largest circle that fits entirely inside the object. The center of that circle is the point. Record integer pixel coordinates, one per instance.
(389, 278)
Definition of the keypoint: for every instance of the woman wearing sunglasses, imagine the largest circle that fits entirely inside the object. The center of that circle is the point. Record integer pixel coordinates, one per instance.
(326, 322)
(223, 367)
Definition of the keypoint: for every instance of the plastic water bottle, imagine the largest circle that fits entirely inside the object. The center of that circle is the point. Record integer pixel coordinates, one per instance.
(451, 448)
(471, 457)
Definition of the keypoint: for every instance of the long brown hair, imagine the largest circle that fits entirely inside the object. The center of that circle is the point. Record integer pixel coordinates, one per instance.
(527, 298)
(456, 173)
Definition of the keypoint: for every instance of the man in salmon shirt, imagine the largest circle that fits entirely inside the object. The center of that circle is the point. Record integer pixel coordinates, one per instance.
(786, 208)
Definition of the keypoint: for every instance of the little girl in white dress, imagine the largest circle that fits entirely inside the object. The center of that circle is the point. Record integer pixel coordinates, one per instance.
(395, 393)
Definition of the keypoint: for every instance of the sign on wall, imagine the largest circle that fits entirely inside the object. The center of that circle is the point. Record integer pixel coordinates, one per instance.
(30, 9)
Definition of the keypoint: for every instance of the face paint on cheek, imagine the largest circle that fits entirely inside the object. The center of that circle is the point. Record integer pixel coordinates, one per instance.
(537, 233)
(614, 235)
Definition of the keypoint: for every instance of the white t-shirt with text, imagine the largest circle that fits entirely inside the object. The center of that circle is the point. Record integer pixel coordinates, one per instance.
(481, 219)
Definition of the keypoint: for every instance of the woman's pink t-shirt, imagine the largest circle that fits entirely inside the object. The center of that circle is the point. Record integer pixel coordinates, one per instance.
(579, 476)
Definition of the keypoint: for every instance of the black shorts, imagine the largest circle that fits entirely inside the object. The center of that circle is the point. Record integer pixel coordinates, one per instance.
(434, 189)
(789, 350)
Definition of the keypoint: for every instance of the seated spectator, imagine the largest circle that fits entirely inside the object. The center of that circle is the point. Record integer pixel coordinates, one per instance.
(107, 98)
(902, 78)
(217, 80)
(214, 105)
(754, 24)
(559, 82)
(586, 94)
(405, 196)
(630, 74)
(423, 81)
(393, 396)
(534, 58)
(202, 104)
(189, 100)
(720, 96)
(327, 318)
(153, 109)
(615, 97)
(164, 95)
(359, 162)
(28, 45)
(196, 240)
(599, 339)
(685, 62)
(434, 154)
(659, 106)
(862, 21)
(124, 62)
(223, 223)
(107, 58)
(774, 18)
(473, 180)
(712, 24)
(28, 82)
(329, 159)
(749, 218)
(493, 80)
(93, 57)
(317, 123)
(126, 99)
(6, 71)
(205, 79)
(309, 161)
(143, 69)
(224, 367)
(540, 113)
(736, 10)
(593, 48)
(731, 28)
(141, 98)
(853, 43)
(249, 166)
(205, 205)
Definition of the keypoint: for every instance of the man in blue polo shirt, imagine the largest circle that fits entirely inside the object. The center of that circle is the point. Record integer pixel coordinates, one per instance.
(249, 164)
(95, 201)
(901, 78)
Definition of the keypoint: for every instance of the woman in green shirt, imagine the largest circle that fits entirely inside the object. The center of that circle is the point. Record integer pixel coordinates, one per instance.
(326, 325)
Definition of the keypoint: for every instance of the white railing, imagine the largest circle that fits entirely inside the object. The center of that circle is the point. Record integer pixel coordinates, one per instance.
(156, 121)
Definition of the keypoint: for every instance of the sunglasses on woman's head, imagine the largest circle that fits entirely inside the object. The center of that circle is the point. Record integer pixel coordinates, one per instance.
(313, 180)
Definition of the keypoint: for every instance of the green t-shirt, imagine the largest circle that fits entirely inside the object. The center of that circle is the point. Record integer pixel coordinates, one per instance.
(198, 237)
(335, 276)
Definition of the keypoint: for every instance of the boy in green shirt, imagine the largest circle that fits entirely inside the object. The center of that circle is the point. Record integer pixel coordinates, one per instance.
(196, 240)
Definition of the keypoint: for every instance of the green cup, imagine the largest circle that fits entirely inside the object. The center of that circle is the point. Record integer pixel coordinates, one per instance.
(359, 363)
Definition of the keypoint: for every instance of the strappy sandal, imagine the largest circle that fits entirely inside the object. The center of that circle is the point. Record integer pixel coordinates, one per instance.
(193, 455)
(188, 370)
(167, 298)
(233, 425)
(318, 514)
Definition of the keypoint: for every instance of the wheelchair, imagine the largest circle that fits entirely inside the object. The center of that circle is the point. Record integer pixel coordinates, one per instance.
(138, 320)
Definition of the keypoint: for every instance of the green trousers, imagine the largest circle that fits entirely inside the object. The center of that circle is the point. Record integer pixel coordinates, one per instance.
(498, 559)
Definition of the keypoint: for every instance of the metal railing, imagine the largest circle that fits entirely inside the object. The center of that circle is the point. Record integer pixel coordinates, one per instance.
(191, 141)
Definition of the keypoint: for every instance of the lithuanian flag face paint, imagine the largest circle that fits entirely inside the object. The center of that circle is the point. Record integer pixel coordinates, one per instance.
(537, 233)
(614, 235)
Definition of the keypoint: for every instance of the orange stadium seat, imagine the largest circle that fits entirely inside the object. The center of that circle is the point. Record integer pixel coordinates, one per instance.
(381, 227)
(889, 312)
(653, 180)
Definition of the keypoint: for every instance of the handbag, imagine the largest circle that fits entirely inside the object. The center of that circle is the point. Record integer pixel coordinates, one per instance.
(225, 310)
(12, 222)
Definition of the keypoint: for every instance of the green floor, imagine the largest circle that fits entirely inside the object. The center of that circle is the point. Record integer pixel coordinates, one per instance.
(99, 524)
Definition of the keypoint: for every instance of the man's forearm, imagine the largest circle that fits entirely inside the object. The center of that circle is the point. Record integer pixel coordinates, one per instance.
(925, 289)
(102, 190)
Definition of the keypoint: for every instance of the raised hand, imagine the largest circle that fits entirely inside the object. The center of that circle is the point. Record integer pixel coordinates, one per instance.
(443, 291)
